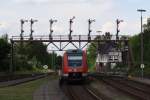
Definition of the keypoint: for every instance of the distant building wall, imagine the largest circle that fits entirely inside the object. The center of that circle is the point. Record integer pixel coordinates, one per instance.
(103, 61)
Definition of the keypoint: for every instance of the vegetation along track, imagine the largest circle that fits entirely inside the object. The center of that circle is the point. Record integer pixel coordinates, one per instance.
(79, 92)
(9, 77)
(20, 81)
(138, 90)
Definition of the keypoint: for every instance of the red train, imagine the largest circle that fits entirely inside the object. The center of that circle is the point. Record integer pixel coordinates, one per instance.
(74, 65)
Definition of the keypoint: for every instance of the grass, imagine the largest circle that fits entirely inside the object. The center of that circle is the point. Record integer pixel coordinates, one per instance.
(28, 72)
(21, 92)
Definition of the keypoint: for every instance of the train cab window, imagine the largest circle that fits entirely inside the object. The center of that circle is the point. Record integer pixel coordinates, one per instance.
(74, 60)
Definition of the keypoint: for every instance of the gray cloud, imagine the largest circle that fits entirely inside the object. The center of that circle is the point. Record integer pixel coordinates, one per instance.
(59, 1)
(104, 11)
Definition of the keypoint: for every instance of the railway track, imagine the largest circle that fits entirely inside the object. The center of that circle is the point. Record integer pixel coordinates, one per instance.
(80, 92)
(20, 81)
(136, 85)
(135, 89)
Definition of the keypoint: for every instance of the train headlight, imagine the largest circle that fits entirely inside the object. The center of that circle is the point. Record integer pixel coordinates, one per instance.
(70, 70)
(75, 70)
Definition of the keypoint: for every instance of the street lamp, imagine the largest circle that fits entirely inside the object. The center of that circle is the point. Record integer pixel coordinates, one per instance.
(142, 48)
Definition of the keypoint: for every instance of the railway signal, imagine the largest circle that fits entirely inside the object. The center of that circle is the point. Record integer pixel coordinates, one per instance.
(89, 27)
(117, 29)
(31, 28)
(22, 31)
(51, 21)
(70, 27)
(118, 22)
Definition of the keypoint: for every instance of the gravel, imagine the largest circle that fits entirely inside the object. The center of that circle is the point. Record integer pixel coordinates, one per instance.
(109, 91)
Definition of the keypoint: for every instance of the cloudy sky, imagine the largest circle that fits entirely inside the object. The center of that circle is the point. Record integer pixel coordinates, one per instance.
(105, 12)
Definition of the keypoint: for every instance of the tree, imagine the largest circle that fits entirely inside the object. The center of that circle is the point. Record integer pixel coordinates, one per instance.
(4, 54)
(34, 55)
(136, 45)
(27, 56)
(58, 62)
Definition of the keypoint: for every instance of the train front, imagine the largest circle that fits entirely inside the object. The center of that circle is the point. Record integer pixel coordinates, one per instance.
(75, 65)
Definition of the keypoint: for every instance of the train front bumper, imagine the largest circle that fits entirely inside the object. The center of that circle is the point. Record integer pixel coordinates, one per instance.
(75, 76)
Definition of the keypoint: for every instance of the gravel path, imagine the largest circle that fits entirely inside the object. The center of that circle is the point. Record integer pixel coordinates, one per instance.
(49, 91)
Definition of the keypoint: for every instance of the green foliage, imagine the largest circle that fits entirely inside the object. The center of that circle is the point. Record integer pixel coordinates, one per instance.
(32, 56)
(135, 42)
(136, 45)
(27, 56)
(4, 48)
(59, 62)
(91, 56)
(4, 54)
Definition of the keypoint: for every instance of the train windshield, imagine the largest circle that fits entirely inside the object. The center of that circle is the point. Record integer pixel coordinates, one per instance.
(75, 60)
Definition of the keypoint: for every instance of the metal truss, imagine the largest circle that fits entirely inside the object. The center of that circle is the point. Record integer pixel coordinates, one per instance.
(75, 40)
(65, 38)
